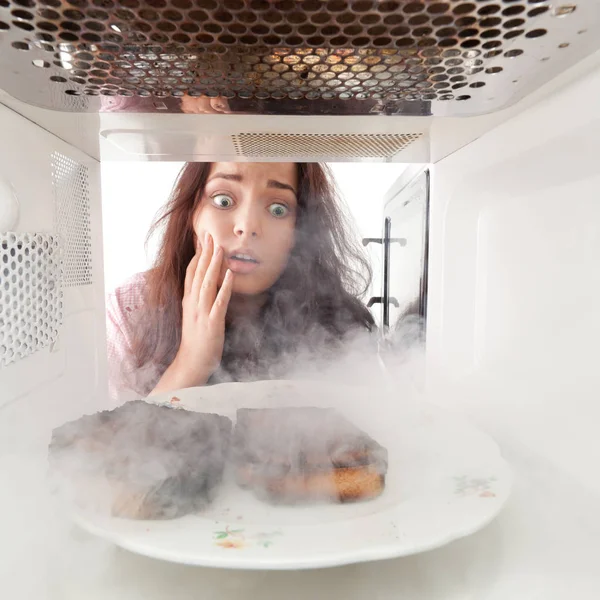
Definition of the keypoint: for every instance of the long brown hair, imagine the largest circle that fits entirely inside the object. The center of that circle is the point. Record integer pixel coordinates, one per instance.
(315, 302)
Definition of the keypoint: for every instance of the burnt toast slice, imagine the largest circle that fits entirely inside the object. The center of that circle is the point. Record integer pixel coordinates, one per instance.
(291, 455)
(141, 460)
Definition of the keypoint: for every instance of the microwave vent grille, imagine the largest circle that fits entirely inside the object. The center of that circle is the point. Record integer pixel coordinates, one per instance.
(317, 145)
(72, 201)
(31, 310)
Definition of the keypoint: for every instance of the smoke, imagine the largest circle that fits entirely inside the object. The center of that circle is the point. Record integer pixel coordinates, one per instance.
(367, 379)
(41, 551)
(37, 515)
(144, 461)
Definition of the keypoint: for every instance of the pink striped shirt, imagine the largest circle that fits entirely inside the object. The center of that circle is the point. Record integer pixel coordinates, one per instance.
(125, 381)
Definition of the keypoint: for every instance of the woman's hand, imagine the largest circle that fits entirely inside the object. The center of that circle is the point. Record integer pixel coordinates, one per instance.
(203, 321)
(203, 105)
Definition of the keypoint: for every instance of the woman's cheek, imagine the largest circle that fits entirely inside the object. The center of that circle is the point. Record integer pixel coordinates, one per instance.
(200, 236)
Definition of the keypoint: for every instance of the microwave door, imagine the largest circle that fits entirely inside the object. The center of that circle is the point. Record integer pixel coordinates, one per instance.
(404, 247)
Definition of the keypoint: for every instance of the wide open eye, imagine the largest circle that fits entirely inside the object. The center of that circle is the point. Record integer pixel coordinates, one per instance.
(222, 201)
(278, 210)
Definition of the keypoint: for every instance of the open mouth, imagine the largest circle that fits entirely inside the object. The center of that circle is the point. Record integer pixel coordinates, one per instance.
(242, 263)
(243, 258)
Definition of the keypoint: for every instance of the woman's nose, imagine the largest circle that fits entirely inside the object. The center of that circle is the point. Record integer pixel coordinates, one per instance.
(247, 223)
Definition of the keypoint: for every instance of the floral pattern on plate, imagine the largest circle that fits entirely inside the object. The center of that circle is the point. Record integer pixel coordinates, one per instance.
(480, 486)
(238, 538)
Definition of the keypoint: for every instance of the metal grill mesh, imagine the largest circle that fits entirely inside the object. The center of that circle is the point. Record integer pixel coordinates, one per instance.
(289, 52)
(31, 295)
(72, 201)
(287, 145)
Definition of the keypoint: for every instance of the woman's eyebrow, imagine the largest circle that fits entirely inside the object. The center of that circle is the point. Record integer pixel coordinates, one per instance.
(227, 176)
(272, 183)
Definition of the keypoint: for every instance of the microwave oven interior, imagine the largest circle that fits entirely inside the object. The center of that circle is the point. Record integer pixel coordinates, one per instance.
(491, 235)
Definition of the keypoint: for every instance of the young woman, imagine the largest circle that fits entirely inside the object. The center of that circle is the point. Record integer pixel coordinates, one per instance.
(255, 268)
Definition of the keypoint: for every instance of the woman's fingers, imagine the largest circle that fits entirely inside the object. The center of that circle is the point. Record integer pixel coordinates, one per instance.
(211, 281)
(189, 274)
(202, 281)
(219, 104)
(219, 308)
(201, 267)
(204, 105)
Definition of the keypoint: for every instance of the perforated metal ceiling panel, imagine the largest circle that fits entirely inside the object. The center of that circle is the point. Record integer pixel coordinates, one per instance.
(284, 57)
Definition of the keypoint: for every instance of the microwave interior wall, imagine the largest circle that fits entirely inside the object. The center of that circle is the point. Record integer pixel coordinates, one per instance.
(512, 330)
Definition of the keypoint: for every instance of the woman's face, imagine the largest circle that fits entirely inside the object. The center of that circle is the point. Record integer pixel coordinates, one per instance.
(250, 211)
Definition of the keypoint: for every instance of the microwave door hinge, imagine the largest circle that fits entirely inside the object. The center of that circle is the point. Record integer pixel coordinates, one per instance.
(386, 241)
(379, 300)
(367, 241)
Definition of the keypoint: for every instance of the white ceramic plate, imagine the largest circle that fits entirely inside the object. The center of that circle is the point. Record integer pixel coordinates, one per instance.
(445, 480)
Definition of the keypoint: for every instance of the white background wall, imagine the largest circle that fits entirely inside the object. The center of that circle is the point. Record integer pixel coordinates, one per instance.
(133, 192)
